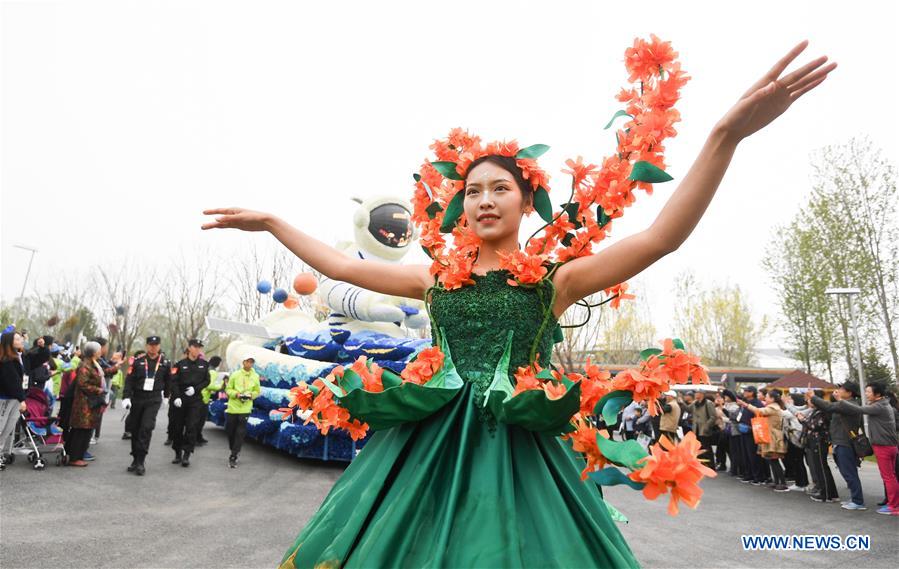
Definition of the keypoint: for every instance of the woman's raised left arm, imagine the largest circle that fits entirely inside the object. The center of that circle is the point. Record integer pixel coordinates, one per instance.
(766, 100)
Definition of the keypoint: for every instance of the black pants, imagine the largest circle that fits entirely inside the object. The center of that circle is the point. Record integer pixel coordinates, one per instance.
(817, 456)
(77, 443)
(169, 430)
(184, 426)
(795, 465)
(201, 421)
(722, 449)
(756, 466)
(236, 429)
(777, 471)
(140, 423)
(735, 452)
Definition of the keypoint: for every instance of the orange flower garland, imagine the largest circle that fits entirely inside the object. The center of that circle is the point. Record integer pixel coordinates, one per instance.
(656, 79)
(673, 468)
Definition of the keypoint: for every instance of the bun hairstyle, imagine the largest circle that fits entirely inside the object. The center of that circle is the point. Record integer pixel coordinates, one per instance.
(777, 396)
(508, 164)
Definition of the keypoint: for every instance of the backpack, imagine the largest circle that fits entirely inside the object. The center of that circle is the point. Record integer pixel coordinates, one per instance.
(792, 429)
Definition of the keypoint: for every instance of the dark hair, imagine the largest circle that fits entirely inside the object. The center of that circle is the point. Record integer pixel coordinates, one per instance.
(798, 399)
(7, 351)
(777, 396)
(818, 393)
(508, 164)
(851, 387)
(879, 388)
(100, 340)
(215, 361)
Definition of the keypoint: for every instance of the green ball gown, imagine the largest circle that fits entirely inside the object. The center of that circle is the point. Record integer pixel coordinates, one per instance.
(459, 488)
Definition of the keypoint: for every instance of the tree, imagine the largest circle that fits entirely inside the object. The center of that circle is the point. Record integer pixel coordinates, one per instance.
(126, 296)
(858, 185)
(624, 333)
(717, 323)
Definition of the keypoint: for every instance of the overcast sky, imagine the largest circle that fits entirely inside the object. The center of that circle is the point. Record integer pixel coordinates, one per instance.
(121, 120)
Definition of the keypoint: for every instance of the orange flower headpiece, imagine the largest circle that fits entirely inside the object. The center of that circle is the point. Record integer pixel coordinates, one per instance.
(570, 231)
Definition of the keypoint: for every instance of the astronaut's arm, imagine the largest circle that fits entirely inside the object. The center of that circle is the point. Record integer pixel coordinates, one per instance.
(359, 303)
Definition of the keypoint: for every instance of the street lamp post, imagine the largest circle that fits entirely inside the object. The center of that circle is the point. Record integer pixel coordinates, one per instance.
(849, 293)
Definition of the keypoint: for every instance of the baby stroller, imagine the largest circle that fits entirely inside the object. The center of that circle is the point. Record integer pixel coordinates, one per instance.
(38, 433)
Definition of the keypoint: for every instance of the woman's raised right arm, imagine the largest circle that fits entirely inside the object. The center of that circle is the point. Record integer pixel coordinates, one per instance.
(410, 281)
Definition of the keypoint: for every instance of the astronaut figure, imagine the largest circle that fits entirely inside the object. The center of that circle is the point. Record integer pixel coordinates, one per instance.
(383, 231)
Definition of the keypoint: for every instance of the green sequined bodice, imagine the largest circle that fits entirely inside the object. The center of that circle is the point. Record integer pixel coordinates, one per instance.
(476, 320)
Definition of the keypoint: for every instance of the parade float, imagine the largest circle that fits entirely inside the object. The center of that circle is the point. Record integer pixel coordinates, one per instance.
(291, 347)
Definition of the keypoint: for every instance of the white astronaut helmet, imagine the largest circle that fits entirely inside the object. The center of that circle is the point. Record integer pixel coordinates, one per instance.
(383, 227)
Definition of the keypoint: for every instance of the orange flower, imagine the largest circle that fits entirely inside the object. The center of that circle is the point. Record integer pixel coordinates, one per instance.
(286, 413)
(646, 384)
(583, 440)
(593, 387)
(424, 367)
(579, 170)
(356, 428)
(371, 377)
(301, 397)
(554, 389)
(526, 379)
(619, 291)
(674, 468)
(645, 58)
(326, 413)
(527, 269)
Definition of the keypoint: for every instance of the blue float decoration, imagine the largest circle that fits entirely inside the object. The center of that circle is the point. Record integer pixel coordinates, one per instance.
(264, 287)
(280, 295)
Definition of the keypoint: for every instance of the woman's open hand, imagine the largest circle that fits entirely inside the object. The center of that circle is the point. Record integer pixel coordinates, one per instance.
(237, 218)
(771, 95)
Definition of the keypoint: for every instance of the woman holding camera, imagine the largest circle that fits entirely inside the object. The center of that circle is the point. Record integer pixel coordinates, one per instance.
(88, 400)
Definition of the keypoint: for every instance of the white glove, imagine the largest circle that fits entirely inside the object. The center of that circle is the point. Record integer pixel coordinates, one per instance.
(189, 391)
(384, 312)
(177, 402)
(126, 404)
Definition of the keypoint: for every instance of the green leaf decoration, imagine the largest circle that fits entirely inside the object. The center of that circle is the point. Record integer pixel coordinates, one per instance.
(404, 402)
(679, 344)
(350, 380)
(646, 172)
(453, 211)
(427, 252)
(649, 352)
(611, 476)
(615, 116)
(622, 453)
(616, 515)
(572, 208)
(543, 205)
(567, 239)
(433, 209)
(447, 376)
(546, 374)
(500, 388)
(533, 152)
(611, 403)
(416, 177)
(334, 388)
(534, 411)
(558, 334)
(602, 217)
(314, 389)
(447, 170)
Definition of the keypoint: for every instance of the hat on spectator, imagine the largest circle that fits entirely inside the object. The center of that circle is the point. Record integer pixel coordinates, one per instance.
(153, 340)
(195, 342)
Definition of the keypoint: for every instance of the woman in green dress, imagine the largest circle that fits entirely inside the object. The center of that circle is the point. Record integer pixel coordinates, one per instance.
(460, 488)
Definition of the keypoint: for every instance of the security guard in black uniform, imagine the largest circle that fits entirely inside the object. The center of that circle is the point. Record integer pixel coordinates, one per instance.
(150, 374)
(189, 377)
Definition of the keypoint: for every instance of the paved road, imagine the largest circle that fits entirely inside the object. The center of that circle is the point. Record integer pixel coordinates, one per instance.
(211, 516)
